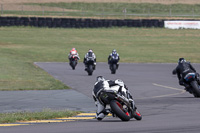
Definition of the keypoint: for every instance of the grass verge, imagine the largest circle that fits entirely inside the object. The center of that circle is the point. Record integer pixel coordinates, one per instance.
(121, 10)
(28, 116)
(21, 46)
(109, 10)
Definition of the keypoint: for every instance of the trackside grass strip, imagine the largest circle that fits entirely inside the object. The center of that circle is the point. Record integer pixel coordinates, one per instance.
(20, 47)
(30, 116)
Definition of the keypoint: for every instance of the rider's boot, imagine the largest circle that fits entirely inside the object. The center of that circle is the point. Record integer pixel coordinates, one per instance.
(85, 67)
(102, 114)
(117, 65)
(94, 65)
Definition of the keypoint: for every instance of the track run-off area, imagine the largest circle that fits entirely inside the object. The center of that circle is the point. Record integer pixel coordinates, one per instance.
(165, 105)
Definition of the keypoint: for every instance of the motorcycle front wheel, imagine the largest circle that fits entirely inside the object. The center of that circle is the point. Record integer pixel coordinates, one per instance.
(118, 109)
(90, 70)
(73, 64)
(113, 68)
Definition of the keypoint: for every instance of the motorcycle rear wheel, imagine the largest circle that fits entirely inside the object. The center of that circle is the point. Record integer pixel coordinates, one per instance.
(119, 111)
(195, 87)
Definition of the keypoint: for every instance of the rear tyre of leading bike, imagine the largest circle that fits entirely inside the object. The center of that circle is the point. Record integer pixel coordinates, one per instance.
(118, 109)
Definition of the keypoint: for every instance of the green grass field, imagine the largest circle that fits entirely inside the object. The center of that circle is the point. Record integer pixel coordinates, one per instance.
(105, 10)
(21, 46)
(116, 10)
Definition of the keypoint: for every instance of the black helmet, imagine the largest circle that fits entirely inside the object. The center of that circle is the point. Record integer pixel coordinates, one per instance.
(100, 78)
(181, 60)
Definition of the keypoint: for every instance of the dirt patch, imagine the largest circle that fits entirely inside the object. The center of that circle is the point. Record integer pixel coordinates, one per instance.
(17, 7)
(127, 1)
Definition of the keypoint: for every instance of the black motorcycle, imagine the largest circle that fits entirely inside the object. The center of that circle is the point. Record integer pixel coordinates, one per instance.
(73, 61)
(120, 106)
(191, 79)
(113, 64)
(90, 65)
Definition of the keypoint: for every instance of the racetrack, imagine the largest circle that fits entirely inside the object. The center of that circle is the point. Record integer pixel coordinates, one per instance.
(165, 106)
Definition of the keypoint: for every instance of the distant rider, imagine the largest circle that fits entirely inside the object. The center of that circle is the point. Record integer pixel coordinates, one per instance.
(89, 54)
(182, 70)
(73, 52)
(113, 55)
(101, 85)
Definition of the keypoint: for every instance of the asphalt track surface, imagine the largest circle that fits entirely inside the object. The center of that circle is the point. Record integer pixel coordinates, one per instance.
(165, 106)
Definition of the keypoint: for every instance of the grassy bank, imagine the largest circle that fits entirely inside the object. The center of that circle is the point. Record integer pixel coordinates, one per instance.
(118, 7)
(122, 10)
(20, 47)
(119, 10)
(30, 116)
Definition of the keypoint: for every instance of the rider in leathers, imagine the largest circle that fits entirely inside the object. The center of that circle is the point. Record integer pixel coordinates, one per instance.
(102, 84)
(73, 52)
(116, 55)
(87, 55)
(182, 70)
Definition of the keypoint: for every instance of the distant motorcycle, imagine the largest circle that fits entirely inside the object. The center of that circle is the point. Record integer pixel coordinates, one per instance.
(191, 79)
(120, 106)
(73, 61)
(90, 65)
(113, 64)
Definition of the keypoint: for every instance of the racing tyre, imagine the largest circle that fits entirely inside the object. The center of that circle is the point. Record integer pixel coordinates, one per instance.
(195, 87)
(118, 109)
(73, 65)
(90, 70)
(113, 70)
(137, 115)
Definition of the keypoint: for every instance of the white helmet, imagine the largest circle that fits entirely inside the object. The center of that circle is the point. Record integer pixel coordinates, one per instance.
(90, 50)
(114, 51)
(100, 78)
(119, 82)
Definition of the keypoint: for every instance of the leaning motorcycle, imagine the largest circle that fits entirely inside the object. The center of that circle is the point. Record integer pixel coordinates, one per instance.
(120, 106)
(113, 64)
(191, 79)
(73, 61)
(90, 65)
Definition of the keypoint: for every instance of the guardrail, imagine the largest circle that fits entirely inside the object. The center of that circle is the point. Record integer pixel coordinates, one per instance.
(78, 23)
